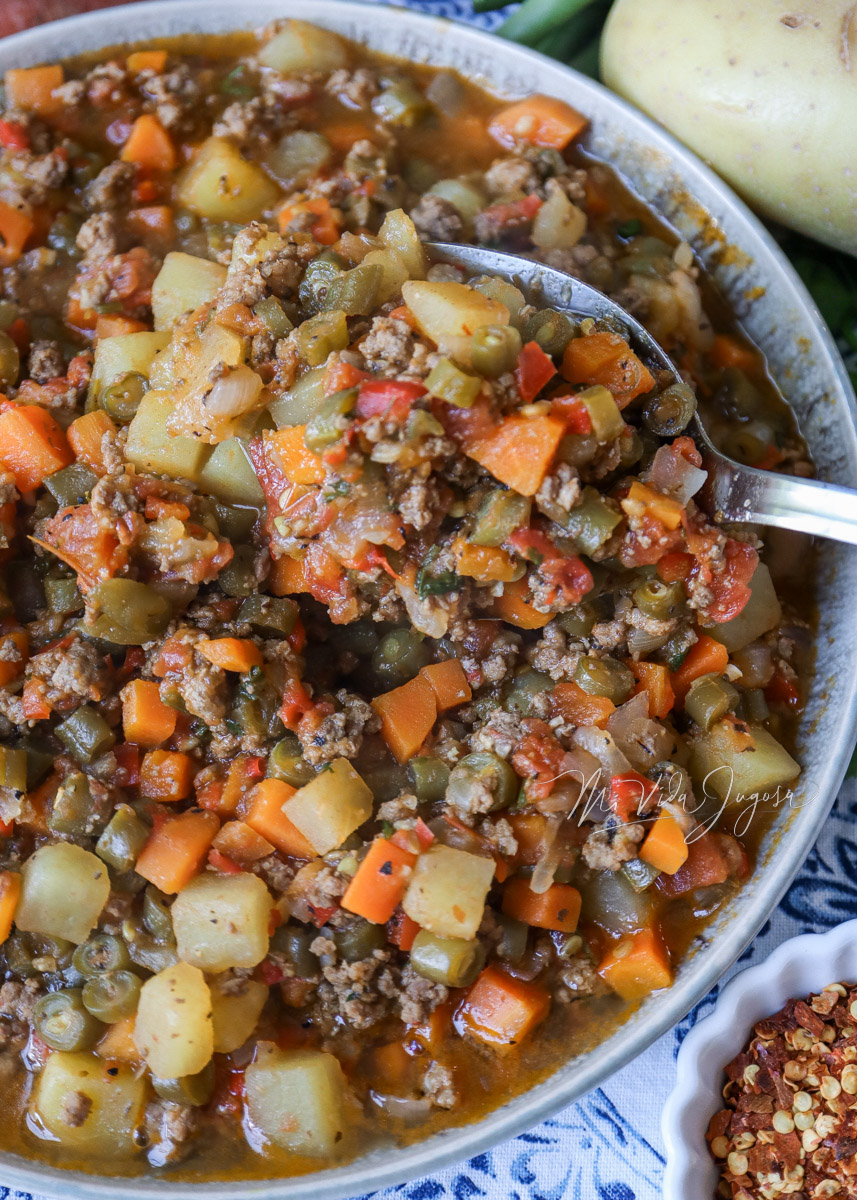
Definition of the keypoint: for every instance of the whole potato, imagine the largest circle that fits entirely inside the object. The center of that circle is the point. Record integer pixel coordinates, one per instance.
(765, 91)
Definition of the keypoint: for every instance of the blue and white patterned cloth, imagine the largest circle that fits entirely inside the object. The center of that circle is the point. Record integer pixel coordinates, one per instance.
(608, 1145)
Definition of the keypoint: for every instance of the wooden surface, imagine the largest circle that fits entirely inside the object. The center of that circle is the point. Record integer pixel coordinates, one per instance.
(16, 15)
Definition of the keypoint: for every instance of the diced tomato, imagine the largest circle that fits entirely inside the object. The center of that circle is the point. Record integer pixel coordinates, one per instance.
(341, 375)
(710, 860)
(674, 566)
(271, 973)
(535, 369)
(388, 398)
(14, 136)
(538, 759)
(401, 930)
(221, 863)
(513, 214)
(297, 638)
(731, 587)
(425, 837)
(569, 576)
(7, 828)
(296, 703)
(628, 793)
(127, 765)
(320, 916)
(574, 412)
(782, 691)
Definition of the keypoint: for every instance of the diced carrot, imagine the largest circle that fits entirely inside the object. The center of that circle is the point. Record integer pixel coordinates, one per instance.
(299, 464)
(343, 134)
(499, 1010)
(328, 220)
(33, 703)
(15, 227)
(407, 715)
(665, 847)
(379, 883)
(637, 965)
(146, 720)
(434, 1031)
(391, 1065)
(530, 830)
(401, 930)
(244, 773)
(11, 668)
(534, 371)
(146, 60)
(340, 375)
(598, 201)
(177, 849)
(606, 358)
(231, 654)
(515, 607)
(166, 775)
(577, 707)
(32, 89)
(487, 564)
(448, 682)
(174, 656)
(654, 680)
(728, 351)
(557, 908)
(149, 145)
(156, 220)
(642, 501)
(288, 576)
(116, 324)
(79, 317)
(541, 120)
(117, 1044)
(10, 890)
(240, 842)
(32, 445)
(519, 452)
(705, 657)
(266, 816)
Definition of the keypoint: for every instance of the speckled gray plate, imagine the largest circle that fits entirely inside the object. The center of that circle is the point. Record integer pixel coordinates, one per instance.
(778, 314)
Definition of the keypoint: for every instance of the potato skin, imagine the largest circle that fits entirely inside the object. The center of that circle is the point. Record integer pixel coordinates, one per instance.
(764, 92)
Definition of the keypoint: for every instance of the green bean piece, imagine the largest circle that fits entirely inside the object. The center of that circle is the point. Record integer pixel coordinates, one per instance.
(86, 734)
(112, 996)
(658, 599)
(631, 449)
(756, 706)
(401, 104)
(61, 1020)
(448, 382)
(128, 613)
(146, 951)
(420, 424)
(549, 329)
(124, 838)
(294, 941)
(354, 292)
(287, 763)
(238, 577)
(63, 596)
(640, 875)
(10, 361)
(101, 954)
(670, 412)
(24, 586)
(499, 515)
(604, 677)
(591, 522)
(40, 759)
(430, 777)
(269, 616)
(524, 688)
(607, 422)
(494, 350)
(579, 449)
(317, 278)
(453, 962)
(71, 485)
(674, 650)
(480, 773)
(709, 698)
(13, 768)
(512, 945)
(745, 446)
(331, 420)
(73, 809)
(399, 657)
(270, 312)
(360, 940)
(673, 780)
(320, 335)
(577, 622)
(195, 1090)
(157, 917)
(234, 521)
(738, 396)
(255, 707)
(121, 399)
(8, 313)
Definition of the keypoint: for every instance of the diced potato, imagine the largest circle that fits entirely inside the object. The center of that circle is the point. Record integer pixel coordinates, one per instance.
(330, 807)
(219, 392)
(558, 224)
(297, 1099)
(450, 313)
(221, 185)
(235, 1008)
(183, 283)
(761, 613)
(173, 1030)
(505, 293)
(152, 449)
(228, 474)
(394, 272)
(63, 891)
(734, 761)
(299, 46)
(399, 233)
(114, 356)
(463, 196)
(447, 890)
(221, 921)
(109, 1098)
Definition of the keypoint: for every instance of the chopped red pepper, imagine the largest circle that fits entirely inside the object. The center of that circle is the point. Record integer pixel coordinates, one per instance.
(782, 691)
(388, 398)
(14, 136)
(574, 412)
(401, 930)
(535, 369)
(628, 793)
(296, 703)
(221, 863)
(675, 565)
(127, 758)
(271, 973)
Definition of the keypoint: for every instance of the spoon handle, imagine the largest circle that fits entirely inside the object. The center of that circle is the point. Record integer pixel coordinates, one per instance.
(738, 493)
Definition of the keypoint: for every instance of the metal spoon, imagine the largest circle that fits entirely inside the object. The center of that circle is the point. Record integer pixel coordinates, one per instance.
(733, 492)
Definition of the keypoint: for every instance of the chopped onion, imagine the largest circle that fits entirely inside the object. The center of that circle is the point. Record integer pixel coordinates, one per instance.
(601, 745)
(403, 1108)
(234, 394)
(643, 741)
(671, 474)
(641, 642)
(545, 868)
(427, 616)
